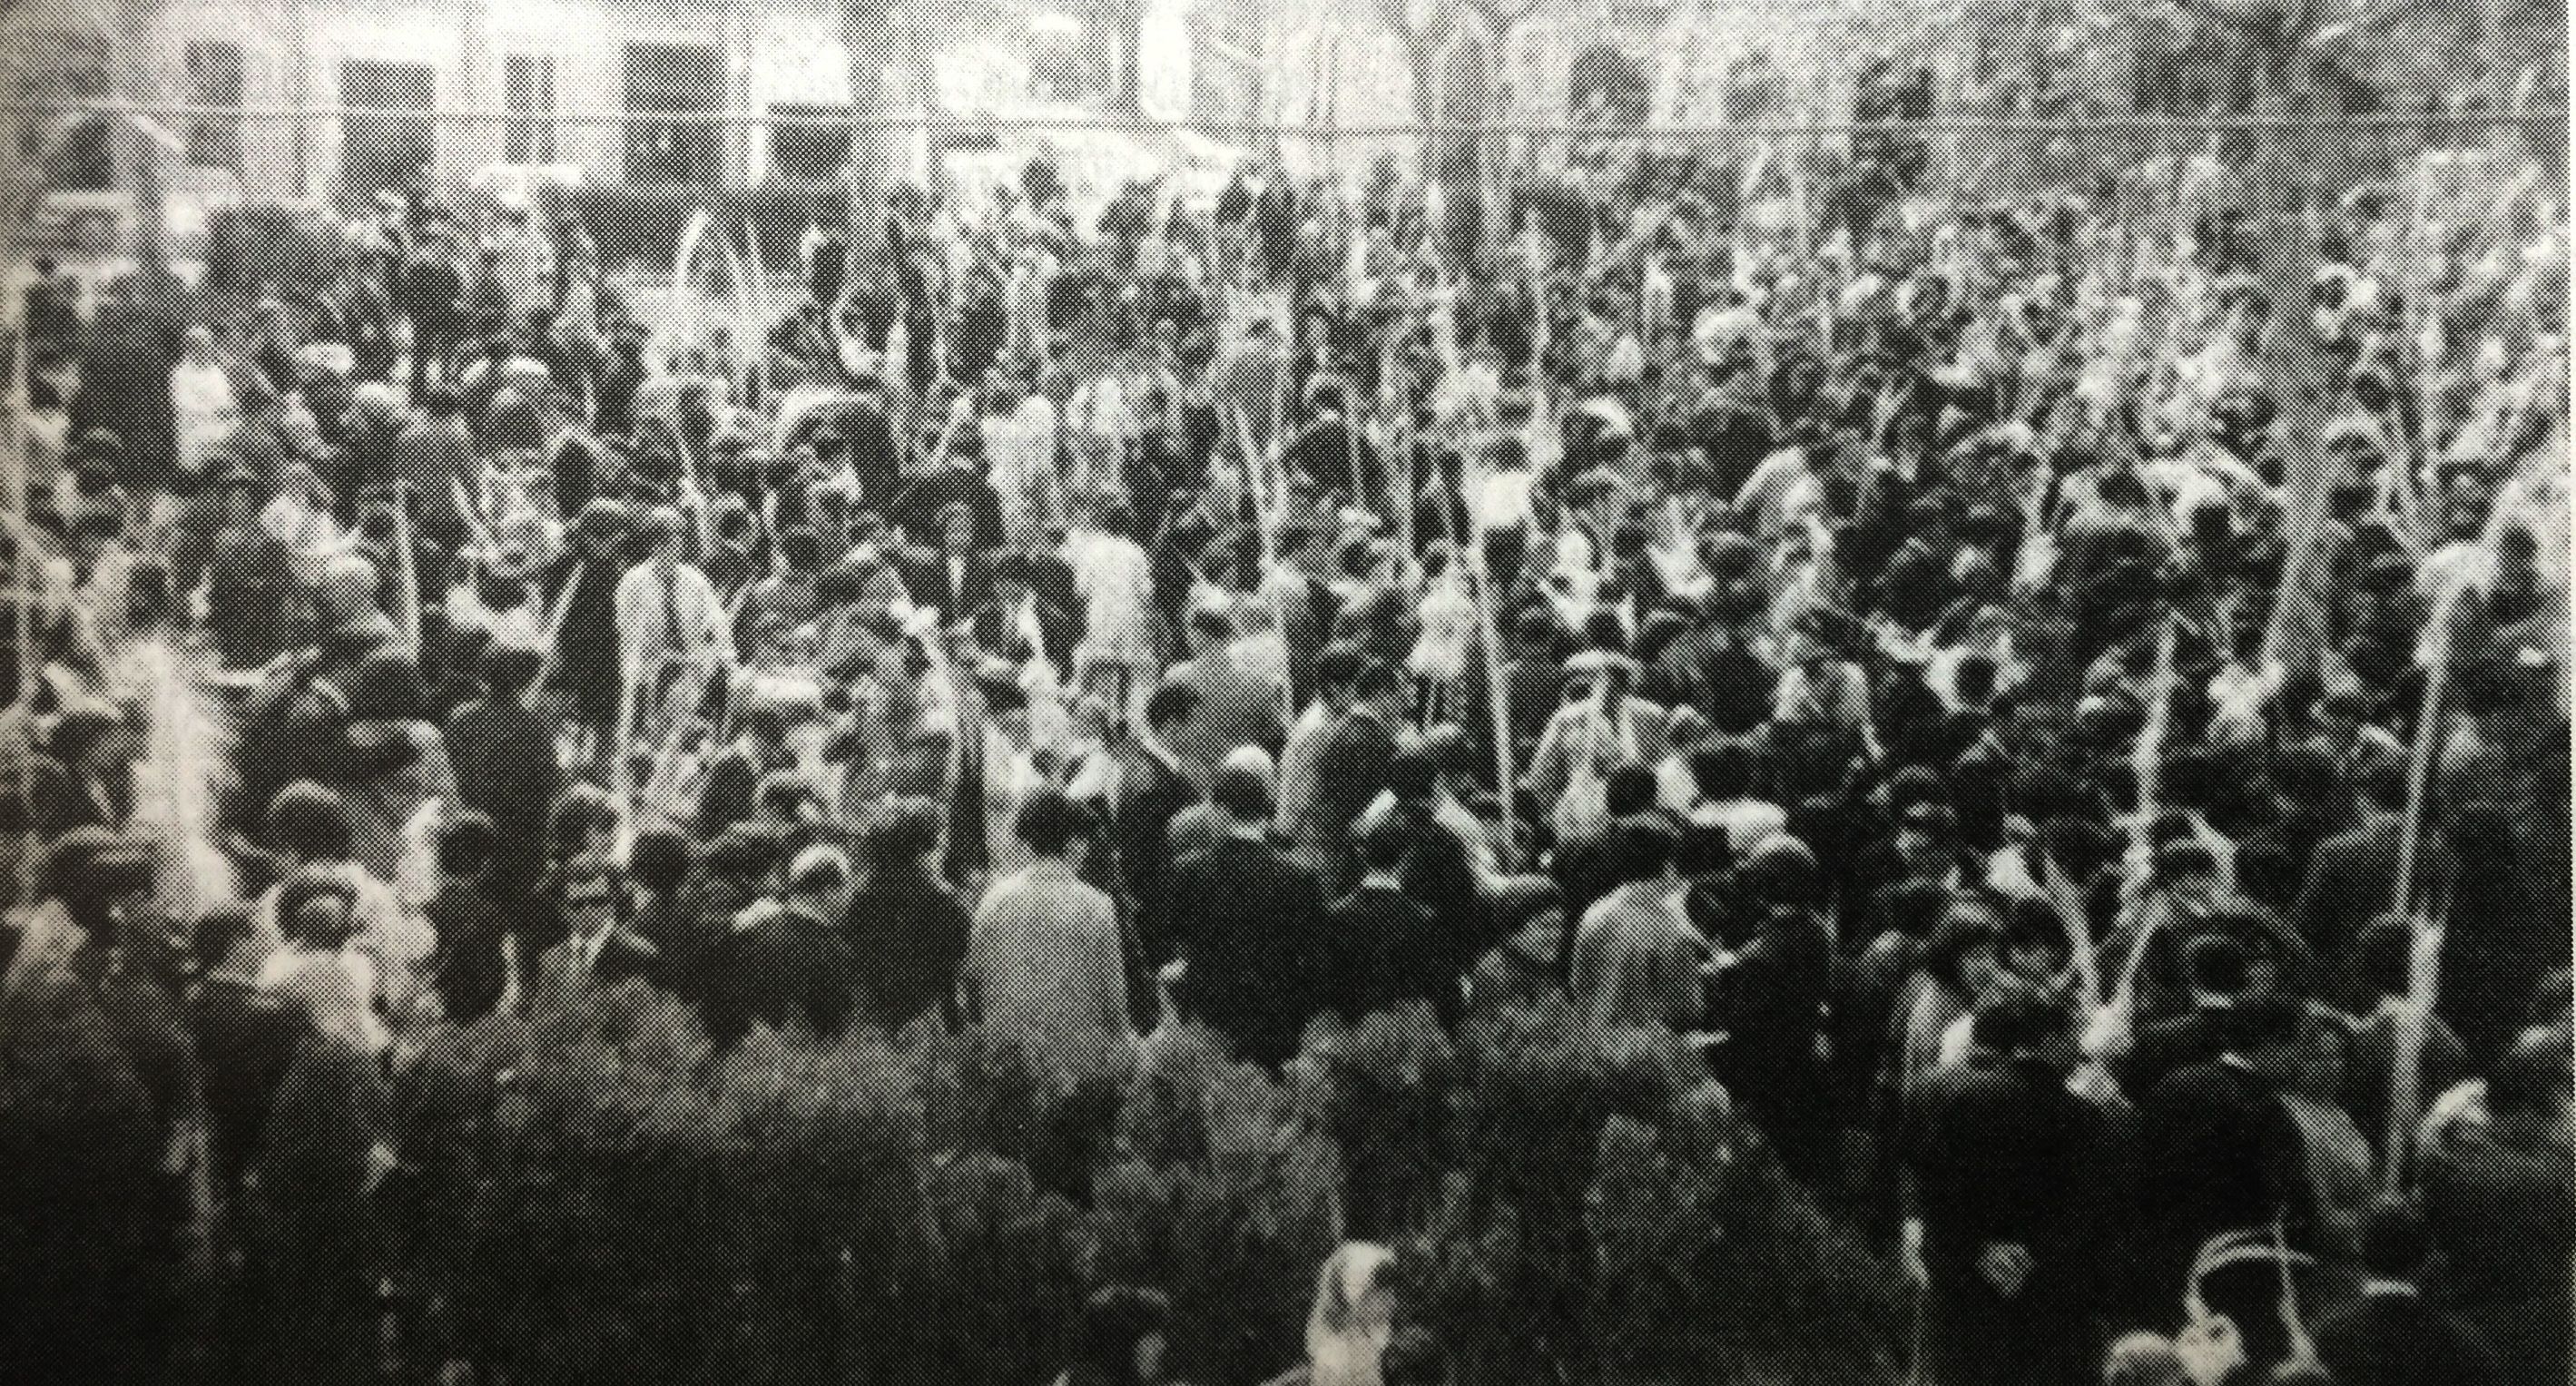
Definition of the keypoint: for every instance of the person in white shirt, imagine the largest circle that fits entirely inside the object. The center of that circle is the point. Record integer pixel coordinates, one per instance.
(1119, 654)
(672, 630)
(204, 410)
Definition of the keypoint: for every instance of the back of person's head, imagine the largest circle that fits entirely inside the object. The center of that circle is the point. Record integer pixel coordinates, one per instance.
(1376, 678)
(1338, 666)
(1113, 1322)
(1384, 842)
(317, 908)
(467, 844)
(2263, 1022)
(2015, 1016)
(1723, 769)
(1170, 705)
(1050, 821)
(1413, 772)
(899, 831)
(1639, 851)
(660, 860)
(2394, 1244)
(2216, 968)
(2532, 1076)
(510, 669)
(1630, 789)
(1243, 793)
(309, 821)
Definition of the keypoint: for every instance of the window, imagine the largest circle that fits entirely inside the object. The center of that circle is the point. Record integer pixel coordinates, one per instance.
(215, 80)
(817, 150)
(67, 69)
(384, 144)
(673, 80)
(529, 79)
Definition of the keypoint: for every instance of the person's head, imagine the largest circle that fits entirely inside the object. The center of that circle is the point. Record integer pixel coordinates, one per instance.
(1376, 687)
(2394, 1245)
(659, 861)
(2144, 1359)
(1414, 1357)
(821, 879)
(308, 824)
(2528, 1093)
(2270, 1033)
(1052, 824)
(2216, 970)
(466, 846)
(1210, 627)
(1628, 790)
(1120, 1339)
(317, 909)
(1170, 707)
(1383, 844)
(583, 820)
(1640, 852)
(2020, 1020)
(510, 671)
(1244, 794)
(590, 892)
(898, 836)
(100, 877)
(1927, 837)
(1723, 770)
(1965, 950)
(1353, 1316)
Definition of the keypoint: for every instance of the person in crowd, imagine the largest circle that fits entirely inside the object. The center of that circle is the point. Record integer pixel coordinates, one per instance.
(1250, 926)
(1636, 959)
(2393, 1335)
(2220, 1151)
(1996, 1152)
(1120, 1339)
(908, 934)
(1772, 647)
(598, 952)
(1046, 961)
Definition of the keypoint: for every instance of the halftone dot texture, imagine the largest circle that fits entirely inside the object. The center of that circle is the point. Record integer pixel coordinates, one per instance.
(407, 1130)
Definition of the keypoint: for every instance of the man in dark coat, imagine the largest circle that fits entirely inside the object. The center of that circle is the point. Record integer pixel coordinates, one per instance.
(2219, 1151)
(2392, 1335)
(1250, 927)
(598, 949)
(1770, 1002)
(1352, 762)
(790, 960)
(2353, 877)
(907, 932)
(2000, 1155)
(1384, 948)
(503, 752)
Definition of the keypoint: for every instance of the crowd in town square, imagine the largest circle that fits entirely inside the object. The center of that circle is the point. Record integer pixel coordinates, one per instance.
(2054, 708)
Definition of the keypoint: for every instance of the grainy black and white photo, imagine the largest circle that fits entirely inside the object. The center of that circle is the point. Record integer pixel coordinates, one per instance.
(1342, 693)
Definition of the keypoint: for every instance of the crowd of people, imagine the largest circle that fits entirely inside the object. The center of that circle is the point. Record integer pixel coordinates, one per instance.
(1902, 645)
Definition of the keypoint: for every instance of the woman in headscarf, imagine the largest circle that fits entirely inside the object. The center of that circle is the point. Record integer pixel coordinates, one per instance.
(1353, 1318)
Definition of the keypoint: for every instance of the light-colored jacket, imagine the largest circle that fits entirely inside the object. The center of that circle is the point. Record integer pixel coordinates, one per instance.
(1046, 966)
